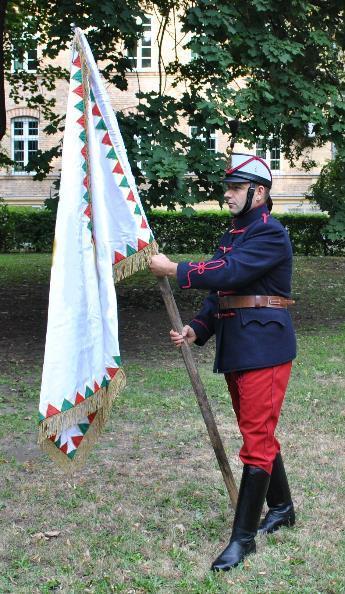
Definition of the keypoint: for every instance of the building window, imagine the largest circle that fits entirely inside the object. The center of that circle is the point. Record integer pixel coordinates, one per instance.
(25, 60)
(210, 138)
(24, 141)
(271, 154)
(141, 53)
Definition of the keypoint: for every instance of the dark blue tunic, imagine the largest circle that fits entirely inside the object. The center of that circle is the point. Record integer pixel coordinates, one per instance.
(254, 258)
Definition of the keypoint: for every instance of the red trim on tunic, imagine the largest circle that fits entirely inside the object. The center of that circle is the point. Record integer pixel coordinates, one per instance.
(238, 230)
(225, 249)
(201, 323)
(201, 267)
(265, 216)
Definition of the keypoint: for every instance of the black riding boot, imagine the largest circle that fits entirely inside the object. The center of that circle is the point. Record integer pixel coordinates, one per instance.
(281, 511)
(251, 498)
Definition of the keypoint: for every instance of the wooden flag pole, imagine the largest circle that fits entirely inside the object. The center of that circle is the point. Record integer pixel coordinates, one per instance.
(199, 390)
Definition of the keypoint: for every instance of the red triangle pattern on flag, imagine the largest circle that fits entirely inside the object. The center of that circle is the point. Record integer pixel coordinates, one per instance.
(76, 439)
(51, 410)
(84, 151)
(79, 91)
(91, 417)
(118, 257)
(95, 111)
(112, 371)
(106, 139)
(77, 62)
(118, 168)
(52, 438)
(64, 447)
(86, 182)
(131, 196)
(95, 387)
(141, 244)
(143, 223)
(87, 211)
(79, 398)
(81, 121)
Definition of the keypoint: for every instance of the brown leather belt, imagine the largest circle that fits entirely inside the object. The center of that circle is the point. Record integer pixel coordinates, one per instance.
(236, 301)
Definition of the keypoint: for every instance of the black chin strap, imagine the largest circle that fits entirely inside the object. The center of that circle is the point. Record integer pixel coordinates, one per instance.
(249, 200)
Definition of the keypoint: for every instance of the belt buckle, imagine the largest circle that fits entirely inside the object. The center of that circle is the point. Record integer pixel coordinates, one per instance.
(274, 301)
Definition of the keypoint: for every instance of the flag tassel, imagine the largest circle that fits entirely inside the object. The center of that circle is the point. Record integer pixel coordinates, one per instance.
(136, 262)
(102, 399)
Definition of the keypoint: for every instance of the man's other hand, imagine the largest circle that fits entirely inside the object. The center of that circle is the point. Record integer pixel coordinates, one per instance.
(188, 335)
(160, 265)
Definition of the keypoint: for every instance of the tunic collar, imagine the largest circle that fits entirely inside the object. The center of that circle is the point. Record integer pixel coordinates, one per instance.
(249, 217)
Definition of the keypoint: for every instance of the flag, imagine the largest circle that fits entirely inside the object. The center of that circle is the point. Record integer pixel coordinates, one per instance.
(101, 232)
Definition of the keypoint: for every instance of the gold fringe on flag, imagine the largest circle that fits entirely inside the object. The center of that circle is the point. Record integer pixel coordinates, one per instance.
(138, 261)
(101, 403)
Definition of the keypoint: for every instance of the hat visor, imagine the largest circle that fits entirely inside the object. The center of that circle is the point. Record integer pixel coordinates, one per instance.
(234, 179)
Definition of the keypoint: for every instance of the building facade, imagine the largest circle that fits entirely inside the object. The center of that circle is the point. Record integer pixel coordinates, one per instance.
(24, 134)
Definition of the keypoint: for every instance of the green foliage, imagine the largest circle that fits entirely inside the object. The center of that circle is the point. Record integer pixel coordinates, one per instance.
(27, 229)
(329, 193)
(6, 228)
(176, 232)
(290, 54)
(30, 229)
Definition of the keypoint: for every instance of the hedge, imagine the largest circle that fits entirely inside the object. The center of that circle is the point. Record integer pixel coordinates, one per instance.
(29, 229)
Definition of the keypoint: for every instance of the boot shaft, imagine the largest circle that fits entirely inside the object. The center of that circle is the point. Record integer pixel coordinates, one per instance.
(251, 497)
(278, 491)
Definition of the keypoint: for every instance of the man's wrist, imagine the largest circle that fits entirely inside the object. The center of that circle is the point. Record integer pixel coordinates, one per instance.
(172, 269)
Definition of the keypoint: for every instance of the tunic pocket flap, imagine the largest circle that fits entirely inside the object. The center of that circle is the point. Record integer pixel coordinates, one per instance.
(263, 315)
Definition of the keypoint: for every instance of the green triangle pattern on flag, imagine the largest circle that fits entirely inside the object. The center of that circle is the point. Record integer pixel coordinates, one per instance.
(80, 106)
(151, 238)
(111, 154)
(83, 427)
(58, 442)
(124, 183)
(88, 392)
(130, 250)
(86, 197)
(137, 209)
(66, 405)
(82, 136)
(84, 166)
(92, 97)
(72, 454)
(89, 226)
(117, 360)
(105, 382)
(78, 76)
(41, 417)
(101, 125)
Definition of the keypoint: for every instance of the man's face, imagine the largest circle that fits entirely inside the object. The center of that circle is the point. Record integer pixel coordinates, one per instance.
(236, 195)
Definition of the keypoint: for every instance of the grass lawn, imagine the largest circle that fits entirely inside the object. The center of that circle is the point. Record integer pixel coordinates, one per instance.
(149, 512)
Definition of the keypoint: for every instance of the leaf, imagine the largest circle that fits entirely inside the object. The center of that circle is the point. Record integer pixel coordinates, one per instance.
(52, 533)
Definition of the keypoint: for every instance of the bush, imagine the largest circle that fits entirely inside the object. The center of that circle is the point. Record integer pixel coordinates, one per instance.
(199, 233)
(32, 229)
(329, 193)
(6, 228)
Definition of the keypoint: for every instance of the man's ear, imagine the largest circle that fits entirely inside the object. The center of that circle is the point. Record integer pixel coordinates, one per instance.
(260, 192)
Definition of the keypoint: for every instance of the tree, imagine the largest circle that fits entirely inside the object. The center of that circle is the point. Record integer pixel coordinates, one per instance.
(329, 193)
(275, 66)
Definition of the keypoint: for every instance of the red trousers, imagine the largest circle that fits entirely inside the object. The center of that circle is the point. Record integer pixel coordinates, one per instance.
(257, 396)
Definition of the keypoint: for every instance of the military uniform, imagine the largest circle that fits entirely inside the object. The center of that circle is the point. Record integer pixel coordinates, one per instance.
(249, 279)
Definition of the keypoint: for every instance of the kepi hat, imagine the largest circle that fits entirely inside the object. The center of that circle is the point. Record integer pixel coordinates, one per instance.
(248, 168)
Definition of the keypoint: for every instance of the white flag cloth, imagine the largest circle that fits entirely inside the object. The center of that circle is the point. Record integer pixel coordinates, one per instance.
(100, 227)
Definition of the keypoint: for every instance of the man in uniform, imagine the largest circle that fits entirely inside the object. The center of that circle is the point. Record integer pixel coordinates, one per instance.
(249, 279)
